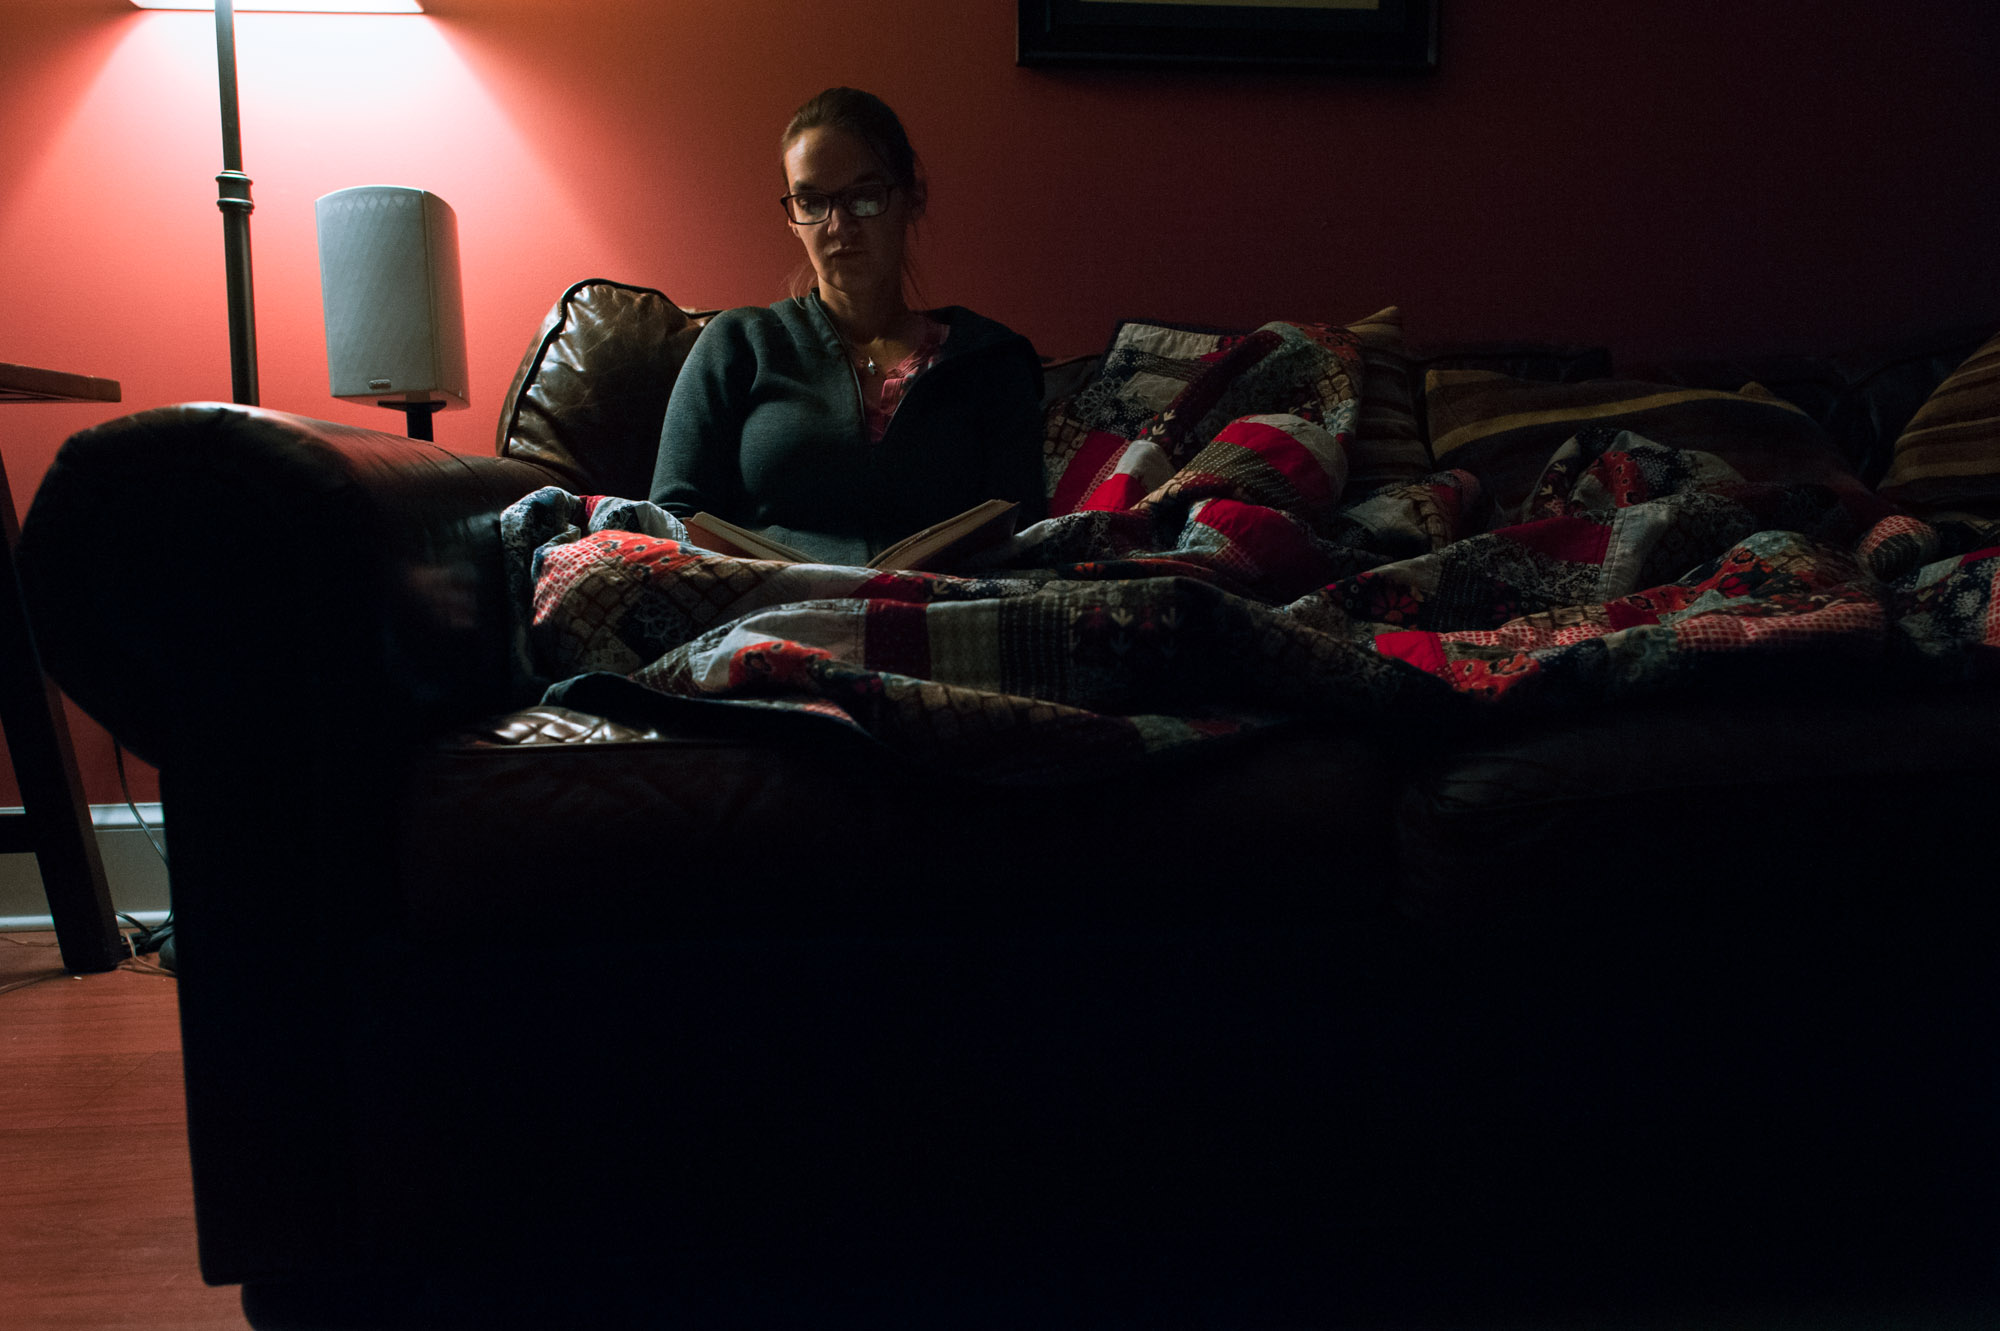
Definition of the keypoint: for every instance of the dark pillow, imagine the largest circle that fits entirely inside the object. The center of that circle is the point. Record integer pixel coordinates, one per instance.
(1062, 378)
(1504, 430)
(1863, 396)
(591, 393)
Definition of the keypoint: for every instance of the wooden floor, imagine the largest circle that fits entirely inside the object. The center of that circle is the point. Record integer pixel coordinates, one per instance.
(96, 1206)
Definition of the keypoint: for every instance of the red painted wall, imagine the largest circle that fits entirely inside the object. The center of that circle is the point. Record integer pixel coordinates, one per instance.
(1660, 175)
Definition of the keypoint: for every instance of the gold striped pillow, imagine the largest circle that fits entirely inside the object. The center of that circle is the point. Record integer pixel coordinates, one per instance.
(1948, 456)
(1388, 446)
(1504, 430)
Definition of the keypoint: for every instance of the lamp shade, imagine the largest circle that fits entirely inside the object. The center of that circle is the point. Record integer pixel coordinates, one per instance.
(296, 6)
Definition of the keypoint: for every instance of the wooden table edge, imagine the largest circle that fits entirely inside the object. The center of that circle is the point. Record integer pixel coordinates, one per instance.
(26, 383)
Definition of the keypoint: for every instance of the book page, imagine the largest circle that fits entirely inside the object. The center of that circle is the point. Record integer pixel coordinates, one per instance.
(725, 537)
(979, 526)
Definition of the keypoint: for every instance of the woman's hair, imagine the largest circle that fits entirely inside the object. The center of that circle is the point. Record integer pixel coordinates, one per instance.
(868, 118)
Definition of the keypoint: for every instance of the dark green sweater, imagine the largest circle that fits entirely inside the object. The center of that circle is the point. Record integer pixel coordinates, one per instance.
(765, 428)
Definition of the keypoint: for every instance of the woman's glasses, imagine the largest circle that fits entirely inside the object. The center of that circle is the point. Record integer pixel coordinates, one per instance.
(811, 207)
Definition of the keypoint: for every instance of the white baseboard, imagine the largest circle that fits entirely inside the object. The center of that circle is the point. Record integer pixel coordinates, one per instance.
(133, 868)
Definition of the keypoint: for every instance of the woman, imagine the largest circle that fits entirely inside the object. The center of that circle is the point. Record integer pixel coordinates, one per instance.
(843, 420)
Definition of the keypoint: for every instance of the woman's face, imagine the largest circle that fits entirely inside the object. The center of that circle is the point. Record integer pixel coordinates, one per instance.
(855, 256)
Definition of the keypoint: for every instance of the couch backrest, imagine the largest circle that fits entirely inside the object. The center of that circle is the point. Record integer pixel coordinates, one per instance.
(591, 392)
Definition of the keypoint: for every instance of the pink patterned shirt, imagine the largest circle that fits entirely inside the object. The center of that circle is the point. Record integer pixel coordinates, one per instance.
(896, 380)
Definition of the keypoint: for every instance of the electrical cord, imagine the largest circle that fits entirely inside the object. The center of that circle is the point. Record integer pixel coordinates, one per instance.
(137, 962)
(144, 938)
(134, 961)
(118, 757)
(39, 979)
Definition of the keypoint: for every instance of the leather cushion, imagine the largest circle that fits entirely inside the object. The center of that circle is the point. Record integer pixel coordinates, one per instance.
(1783, 804)
(576, 822)
(590, 395)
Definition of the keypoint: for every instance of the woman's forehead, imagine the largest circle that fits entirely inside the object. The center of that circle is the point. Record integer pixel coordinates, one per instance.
(825, 158)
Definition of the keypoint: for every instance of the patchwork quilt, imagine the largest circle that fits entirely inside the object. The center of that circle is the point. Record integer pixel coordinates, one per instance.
(1210, 575)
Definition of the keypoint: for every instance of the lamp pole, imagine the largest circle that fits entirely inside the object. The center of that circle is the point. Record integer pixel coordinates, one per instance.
(234, 201)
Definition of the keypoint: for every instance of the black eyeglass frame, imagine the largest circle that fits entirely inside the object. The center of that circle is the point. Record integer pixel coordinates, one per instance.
(838, 199)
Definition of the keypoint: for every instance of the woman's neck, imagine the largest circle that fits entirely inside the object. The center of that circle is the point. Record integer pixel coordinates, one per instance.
(861, 320)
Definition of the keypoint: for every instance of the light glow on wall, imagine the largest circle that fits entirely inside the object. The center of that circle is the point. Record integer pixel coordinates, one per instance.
(329, 101)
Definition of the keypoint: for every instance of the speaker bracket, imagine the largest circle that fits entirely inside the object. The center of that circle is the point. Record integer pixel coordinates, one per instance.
(418, 416)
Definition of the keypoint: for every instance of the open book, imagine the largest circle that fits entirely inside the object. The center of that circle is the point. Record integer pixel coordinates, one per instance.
(934, 546)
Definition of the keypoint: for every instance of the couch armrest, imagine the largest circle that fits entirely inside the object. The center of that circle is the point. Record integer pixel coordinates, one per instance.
(201, 572)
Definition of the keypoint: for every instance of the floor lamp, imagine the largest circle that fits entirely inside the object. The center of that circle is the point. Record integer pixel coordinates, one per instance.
(233, 184)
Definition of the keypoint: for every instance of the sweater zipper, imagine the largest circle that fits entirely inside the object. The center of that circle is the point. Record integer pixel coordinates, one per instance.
(860, 402)
(853, 375)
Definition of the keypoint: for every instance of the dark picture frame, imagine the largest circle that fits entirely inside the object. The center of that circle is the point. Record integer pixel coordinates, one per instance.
(1348, 36)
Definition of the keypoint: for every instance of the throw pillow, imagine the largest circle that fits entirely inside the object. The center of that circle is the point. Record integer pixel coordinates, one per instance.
(1504, 430)
(1388, 446)
(1162, 391)
(590, 395)
(1948, 456)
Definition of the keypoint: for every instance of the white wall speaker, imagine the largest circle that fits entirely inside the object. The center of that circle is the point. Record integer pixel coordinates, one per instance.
(395, 312)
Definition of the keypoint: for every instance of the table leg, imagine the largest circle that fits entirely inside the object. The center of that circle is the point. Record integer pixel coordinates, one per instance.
(57, 818)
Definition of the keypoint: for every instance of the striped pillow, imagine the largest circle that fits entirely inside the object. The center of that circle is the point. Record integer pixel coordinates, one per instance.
(1504, 430)
(1388, 446)
(1948, 456)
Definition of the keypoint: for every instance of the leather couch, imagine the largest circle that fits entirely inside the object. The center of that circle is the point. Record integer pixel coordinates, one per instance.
(497, 1013)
